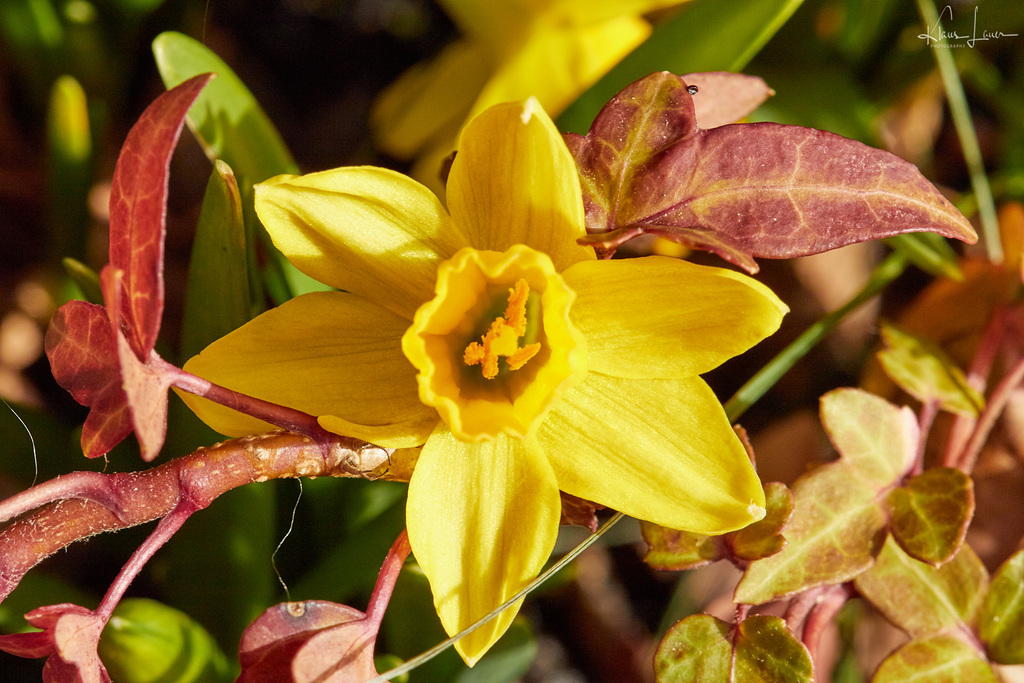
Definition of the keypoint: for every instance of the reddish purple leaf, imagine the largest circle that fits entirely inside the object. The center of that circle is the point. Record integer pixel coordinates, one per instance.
(743, 190)
(82, 350)
(724, 97)
(308, 641)
(138, 208)
(145, 382)
(69, 639)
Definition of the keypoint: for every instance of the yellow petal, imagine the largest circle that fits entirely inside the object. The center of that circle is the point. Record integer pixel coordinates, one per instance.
(659, 450)
(496, 26)
(430, 102)
(366, 230)
(659, 317)
(590, 11)
(325, 353)
(482, 521)
(514, 182)
(560, 61)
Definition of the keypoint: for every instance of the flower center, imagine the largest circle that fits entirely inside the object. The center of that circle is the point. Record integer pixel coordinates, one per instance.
(495, 347)
(502, 338)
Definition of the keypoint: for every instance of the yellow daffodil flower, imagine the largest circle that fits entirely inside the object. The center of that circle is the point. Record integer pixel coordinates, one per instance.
(518, 361)
(511, 50)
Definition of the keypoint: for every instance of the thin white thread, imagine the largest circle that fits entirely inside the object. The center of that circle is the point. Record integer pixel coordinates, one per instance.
(273, 557)
(440, 647)
(35, 456)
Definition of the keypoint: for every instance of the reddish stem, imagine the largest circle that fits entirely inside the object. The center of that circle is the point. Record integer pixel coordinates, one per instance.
(827, 605)
(799, 607)
(386, 579)
(167, 527)
(977, 378)
(987, 420)
(928, 412)
(277, 415)
(84, 504)
(742, 610)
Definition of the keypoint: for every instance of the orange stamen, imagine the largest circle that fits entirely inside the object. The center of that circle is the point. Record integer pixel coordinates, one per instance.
(502, 337)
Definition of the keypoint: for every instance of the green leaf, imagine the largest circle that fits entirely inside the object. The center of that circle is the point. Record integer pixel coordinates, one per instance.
(838, 524)
(668, 549)
(705, 35)
(70, 160)
(764, 539)
(746, 190)
(231, 126)
(87, 279)
(921, 599)
(218, 299)
(702, 648)
(942, 659)
(930, 514)
(148, 642)
(34, 40)
(873, 435)
(228, 121)
(672, 550)
(818, 94)
(1001, 620)
(926, 373)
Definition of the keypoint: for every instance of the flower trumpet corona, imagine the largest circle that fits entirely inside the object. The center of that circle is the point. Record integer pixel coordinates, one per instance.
(518, 362)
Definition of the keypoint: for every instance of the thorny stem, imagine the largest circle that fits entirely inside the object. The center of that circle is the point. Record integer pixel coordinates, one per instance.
(882, 275)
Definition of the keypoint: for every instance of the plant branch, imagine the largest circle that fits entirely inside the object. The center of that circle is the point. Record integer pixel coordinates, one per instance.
(386, 579)
(280, 416)
(987, 420)
(83, 504)
(981, 367)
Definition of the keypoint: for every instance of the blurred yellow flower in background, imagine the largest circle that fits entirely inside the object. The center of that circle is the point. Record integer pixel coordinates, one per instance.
(511, 50)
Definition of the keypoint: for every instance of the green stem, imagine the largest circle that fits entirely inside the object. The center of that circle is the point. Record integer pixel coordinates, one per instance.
(965, 131)
(756, 387)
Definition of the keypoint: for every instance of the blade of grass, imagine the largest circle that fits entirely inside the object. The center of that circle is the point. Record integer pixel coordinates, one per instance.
(756, 387)
(965, 131)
